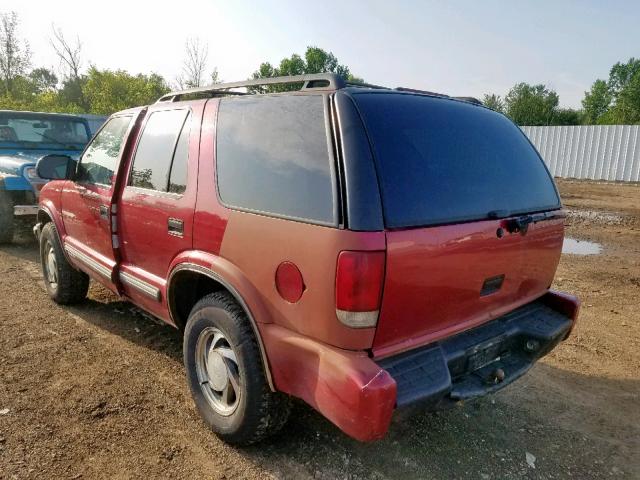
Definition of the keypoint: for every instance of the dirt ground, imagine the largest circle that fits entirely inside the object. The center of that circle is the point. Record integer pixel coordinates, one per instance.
(98, 390)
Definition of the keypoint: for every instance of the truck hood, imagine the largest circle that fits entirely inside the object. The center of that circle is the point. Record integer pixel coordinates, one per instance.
(12, 161)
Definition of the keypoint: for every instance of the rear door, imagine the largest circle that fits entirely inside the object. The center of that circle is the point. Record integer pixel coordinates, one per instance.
(86, 201)
(453, 178)
(157, 202)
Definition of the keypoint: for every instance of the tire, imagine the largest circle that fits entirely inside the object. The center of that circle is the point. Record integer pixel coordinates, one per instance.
(6, 217)
(221, 354)
(64, 284)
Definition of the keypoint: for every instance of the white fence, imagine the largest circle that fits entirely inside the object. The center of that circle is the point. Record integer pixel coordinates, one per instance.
(600, 152)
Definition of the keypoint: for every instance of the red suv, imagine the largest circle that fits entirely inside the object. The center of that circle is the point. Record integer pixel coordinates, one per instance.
(358, 247)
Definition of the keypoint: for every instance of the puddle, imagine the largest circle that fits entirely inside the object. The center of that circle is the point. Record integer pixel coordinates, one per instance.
(581, 247)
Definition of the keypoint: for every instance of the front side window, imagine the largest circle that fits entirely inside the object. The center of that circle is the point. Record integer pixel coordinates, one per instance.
(152, 161)
(272, 157)
(101, 156)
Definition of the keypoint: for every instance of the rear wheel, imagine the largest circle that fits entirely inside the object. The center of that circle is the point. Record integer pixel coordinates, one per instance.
(65, 284)
(6, 217)
(225, 373)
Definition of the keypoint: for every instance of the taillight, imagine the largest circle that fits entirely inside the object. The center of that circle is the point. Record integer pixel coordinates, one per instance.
(359, 279)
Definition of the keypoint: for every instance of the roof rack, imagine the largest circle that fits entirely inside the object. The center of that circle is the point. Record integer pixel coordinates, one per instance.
(316, 81)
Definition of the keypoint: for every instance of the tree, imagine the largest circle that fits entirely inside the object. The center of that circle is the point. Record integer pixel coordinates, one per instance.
(108, 91)
(215, 76)
(567, 116)
(15, 56)
(494, 102)
(531, 104)
(316, 60)
(194, 65)
(70, 56)
(596, 102)
(627, 106)
(622, 74)
(43, 80)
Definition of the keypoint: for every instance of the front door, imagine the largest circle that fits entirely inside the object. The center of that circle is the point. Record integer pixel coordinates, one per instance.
(86, 202)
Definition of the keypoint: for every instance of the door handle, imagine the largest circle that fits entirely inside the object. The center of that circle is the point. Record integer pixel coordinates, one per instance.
(175, 227)
(104, 212)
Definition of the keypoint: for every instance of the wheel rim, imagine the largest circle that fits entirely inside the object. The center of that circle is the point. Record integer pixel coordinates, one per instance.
(217, 371)
(51, 266)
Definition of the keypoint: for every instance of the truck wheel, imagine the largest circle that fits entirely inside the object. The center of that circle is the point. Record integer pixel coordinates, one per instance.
(226, 375)
(6, 217)
(65, 284)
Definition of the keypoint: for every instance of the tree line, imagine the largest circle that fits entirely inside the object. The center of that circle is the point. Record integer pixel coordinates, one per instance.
(614, 101)
(75, 89)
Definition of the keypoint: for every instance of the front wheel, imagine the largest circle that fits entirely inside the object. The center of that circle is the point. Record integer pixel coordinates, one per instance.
(225, 373)
(65, 284)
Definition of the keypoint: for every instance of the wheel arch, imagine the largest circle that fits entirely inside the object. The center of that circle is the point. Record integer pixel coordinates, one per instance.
(197, 281)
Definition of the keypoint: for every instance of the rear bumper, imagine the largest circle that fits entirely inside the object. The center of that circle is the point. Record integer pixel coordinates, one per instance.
(484, 359)
(359, 394)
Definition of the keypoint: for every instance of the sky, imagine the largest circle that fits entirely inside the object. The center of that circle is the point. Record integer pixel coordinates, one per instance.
(454, 47)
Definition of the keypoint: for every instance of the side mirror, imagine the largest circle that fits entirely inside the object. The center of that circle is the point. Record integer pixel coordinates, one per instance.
(56, 167)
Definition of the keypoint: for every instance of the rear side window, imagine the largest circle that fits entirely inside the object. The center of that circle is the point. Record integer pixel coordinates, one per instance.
(101, 156)
(152, 161)
(442, 161)
(272, 156)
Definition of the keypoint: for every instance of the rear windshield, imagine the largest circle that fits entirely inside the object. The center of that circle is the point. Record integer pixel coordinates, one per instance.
(443, 161)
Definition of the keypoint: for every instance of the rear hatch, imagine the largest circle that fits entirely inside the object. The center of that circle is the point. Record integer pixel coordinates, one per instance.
(472, 216)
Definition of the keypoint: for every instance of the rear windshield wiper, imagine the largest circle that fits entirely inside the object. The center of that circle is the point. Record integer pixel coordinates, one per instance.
(521, 224)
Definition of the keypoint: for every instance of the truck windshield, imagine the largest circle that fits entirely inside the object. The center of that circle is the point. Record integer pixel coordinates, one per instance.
(28, 130)
(444, 161)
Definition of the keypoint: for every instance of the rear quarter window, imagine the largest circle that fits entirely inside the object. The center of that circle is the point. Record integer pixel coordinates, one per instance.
(272, 157)
(444, 161)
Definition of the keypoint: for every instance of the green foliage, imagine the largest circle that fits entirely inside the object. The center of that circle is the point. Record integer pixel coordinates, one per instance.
(494, 102)
(596, 102)
(567, 116)
(616, 101)
(100, 91)
(621, 75)
(43, 80)
(316, 60)
(107, 91)
(15, 56)
(531, 104)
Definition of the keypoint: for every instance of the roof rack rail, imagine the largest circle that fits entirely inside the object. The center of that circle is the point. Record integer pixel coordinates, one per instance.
(473, 100)
(426, 92)
(317, 81)
(364, 85)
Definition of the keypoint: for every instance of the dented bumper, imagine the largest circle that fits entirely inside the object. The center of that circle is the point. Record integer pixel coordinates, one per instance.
(484, 359)
(359, 394)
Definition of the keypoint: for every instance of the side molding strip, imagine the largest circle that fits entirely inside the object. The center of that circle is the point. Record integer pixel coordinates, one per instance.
(141, 286)
(88, 261)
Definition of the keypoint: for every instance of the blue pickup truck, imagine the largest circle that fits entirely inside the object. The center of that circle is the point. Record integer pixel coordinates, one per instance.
(25, 137)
